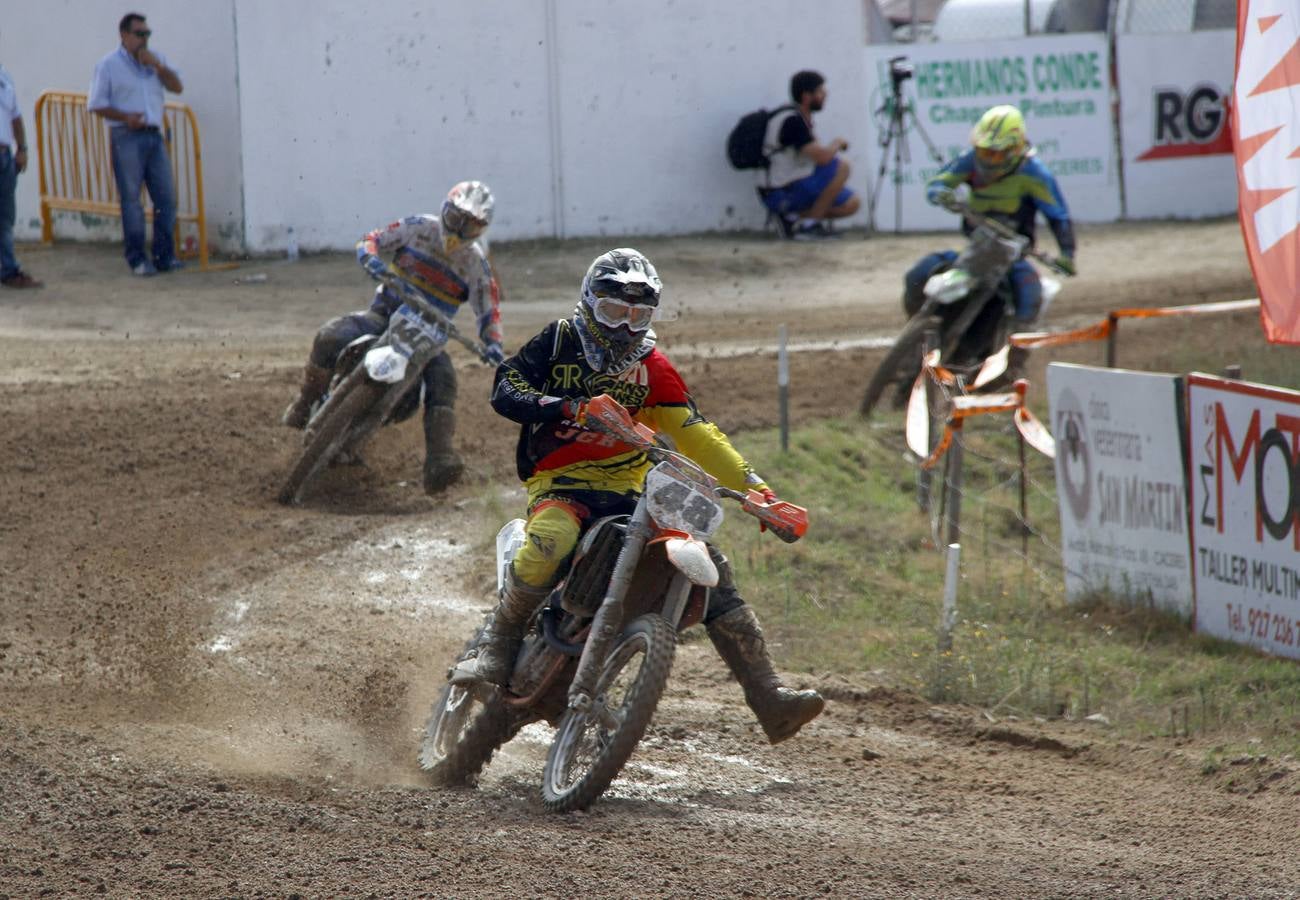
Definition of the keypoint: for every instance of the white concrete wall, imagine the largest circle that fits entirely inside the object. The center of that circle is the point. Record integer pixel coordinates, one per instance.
(1172, 171)
(54, 45)
(371, 112)
(645, 152)
(587, 117)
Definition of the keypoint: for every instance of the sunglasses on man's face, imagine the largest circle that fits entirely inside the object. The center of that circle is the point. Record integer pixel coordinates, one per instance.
(142, 34)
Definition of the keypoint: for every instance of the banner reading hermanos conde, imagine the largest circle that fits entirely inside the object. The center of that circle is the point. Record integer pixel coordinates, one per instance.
(1059, 82)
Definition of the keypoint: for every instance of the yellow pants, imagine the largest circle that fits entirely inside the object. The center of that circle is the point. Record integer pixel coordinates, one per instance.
(549, 537)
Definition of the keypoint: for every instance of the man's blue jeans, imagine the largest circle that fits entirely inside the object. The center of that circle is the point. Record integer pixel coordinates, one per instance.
(140, 158)
(8, 184)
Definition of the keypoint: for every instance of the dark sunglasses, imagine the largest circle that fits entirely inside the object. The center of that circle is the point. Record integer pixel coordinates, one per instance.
(143, 34)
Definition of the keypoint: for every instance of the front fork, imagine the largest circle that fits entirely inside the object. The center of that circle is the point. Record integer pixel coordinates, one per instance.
(605, 626)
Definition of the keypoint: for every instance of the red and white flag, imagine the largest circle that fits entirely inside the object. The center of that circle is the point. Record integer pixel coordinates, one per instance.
(1266, 137)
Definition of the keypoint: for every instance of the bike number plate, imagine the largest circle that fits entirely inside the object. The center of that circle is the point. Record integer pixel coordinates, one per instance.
(680, 504)
(409, 331)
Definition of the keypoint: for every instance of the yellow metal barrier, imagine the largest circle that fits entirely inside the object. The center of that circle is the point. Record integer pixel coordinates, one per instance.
(76, 169)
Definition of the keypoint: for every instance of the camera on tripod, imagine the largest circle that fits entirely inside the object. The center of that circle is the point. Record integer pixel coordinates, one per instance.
(894, 118)
(899, 71)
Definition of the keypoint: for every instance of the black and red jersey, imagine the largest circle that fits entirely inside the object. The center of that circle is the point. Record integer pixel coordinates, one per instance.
(554, 453)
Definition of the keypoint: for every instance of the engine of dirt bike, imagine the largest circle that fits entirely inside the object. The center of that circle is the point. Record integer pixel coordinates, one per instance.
(549, 654)
(983, 267)
(353, 355)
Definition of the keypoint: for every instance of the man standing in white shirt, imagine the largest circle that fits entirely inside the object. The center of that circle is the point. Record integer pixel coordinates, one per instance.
(13, 159)
(127, 90)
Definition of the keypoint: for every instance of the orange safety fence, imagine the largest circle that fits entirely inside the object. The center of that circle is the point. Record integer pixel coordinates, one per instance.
(1104, 329)
(76, 169)
(956, 406)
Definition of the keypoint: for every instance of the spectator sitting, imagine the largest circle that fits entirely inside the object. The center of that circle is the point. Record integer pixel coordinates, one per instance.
(806, 179)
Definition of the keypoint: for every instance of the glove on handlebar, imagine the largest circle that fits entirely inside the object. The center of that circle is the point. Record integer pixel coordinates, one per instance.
(495, 355)
(575, 410)
(769, 497)
(1066, 265)
(377, 268)
(947, 198)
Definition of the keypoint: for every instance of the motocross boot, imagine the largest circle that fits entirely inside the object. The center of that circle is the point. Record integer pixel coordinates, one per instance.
(781, 711)
(442, 464)
(315, 381)
(496, 655)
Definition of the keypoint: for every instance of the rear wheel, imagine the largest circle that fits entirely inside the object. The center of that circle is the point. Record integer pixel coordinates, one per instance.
(901, 364)
(591, 747)
(468, 723)
(330, 430)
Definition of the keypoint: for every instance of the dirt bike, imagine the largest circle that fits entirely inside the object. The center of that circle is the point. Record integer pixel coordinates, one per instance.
(599, 649)
(376, 382)
(968, 305)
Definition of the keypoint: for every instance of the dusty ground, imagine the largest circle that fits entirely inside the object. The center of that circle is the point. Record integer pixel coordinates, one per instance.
(207, 694)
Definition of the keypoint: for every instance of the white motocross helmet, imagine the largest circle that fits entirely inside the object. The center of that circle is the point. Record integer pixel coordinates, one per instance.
(466, 214)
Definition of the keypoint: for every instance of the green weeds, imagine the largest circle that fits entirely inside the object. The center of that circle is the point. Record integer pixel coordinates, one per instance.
(863, 593)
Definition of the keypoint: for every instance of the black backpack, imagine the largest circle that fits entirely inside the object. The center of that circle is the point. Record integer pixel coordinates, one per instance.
(745, 143)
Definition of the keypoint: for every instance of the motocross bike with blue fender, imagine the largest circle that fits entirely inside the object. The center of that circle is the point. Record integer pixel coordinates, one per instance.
(377, 381)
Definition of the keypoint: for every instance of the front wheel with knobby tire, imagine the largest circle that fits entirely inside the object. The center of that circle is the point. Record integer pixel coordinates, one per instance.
(901, 364)
(591, 746)
(330, 431)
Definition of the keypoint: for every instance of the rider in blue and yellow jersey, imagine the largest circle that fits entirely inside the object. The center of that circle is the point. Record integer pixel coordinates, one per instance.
(575, 475)
(1007, 182)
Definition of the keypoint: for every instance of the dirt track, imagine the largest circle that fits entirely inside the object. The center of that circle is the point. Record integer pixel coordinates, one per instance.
(208, 694)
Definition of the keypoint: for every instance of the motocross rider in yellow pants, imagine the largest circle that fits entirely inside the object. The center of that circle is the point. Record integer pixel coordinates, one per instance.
(575, 475)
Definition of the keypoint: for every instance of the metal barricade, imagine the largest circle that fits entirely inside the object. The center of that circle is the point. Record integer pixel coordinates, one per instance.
(76, 169)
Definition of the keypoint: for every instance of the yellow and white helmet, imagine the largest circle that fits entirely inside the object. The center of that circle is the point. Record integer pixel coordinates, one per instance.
(1000, 142)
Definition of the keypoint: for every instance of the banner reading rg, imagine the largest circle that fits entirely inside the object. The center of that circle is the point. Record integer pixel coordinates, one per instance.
(1245, 452)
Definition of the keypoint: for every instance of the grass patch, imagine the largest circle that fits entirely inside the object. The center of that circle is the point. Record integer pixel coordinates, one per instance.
(863, 593)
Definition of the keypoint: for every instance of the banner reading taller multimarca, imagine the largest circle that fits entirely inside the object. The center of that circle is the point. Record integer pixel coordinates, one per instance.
(1266, 133)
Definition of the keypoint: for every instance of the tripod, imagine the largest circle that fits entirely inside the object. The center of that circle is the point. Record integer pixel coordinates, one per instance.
(899, 113)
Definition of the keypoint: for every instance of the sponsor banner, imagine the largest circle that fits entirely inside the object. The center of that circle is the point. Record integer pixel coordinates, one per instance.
(1244, 449)
(1059, 82)
(1120, 485)
(1173, 94)
(1266, 138)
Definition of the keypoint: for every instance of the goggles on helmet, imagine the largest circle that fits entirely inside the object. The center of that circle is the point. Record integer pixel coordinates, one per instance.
(461, 223)
(993, 158)
(612, 313)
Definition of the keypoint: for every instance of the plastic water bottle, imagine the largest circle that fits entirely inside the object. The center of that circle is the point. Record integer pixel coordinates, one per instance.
(292, 247)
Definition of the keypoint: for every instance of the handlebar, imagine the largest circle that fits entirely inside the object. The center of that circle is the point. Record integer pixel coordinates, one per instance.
(427, 309)
(786, 520)
(1006, 231)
